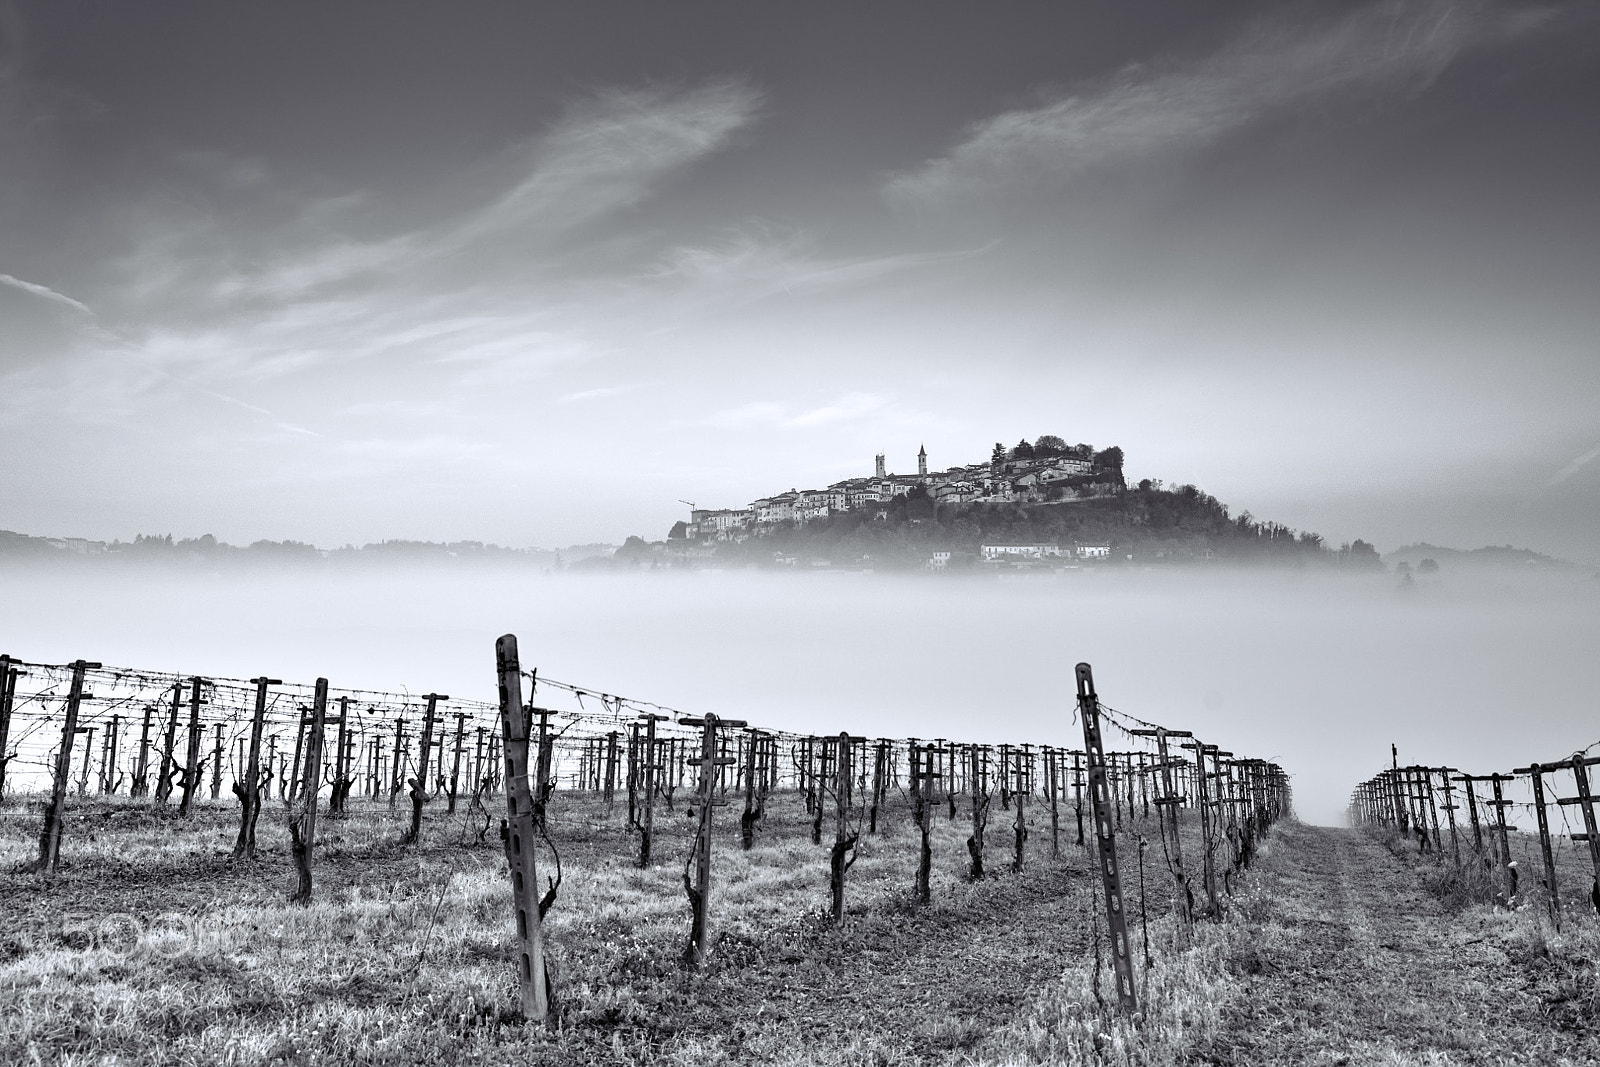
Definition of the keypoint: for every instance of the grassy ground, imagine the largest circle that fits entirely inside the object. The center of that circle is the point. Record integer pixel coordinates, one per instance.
(150, 946)
(1355, 949)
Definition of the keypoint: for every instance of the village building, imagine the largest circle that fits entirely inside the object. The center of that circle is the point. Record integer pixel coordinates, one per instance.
(1001, 480)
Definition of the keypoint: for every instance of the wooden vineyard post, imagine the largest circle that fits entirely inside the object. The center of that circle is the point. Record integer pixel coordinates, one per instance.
(395, 767)
(1203, 802)
(1105, 837)
(108, 756)
(344, 774)
(1051, 769)
(820, 775)
(1077, 794)
(922, 776)
(50, 839)
(1472, 813)
(8, 701)
(754, 795)
(458, 750)
(477, 759)
(807, 780)
(1022, 783)
(634, 770)
(1449, 808)
(978, 781)
(649, 776)
(699, 889)
(954, 763)
(1591, 834)
(88, 758)
(1425, 774)
(303, 804)
(1167, 805)
(519, 834)
(880, 782)
(191, 772)
(109, 779)
(1500, 805)
(544, 781)
(164, 777)
(249, 791)
(613, 758)
(216, 761)
(419, 784)
(1537, 771)
(1400, 810)
(842, 855)
(1144, 786)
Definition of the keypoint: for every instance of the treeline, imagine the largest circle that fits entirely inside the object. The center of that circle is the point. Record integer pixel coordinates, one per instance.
(1149, 522)
(206, 550)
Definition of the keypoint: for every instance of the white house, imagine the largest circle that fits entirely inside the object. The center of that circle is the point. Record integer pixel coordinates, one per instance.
(1001, 553)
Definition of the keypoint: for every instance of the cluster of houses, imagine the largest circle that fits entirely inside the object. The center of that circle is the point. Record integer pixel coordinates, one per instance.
(1001, 480)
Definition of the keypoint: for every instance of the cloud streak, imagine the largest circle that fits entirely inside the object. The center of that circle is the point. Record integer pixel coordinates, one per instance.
(1572, 468)
(847, 408)
(1399, 46)
(45, 293)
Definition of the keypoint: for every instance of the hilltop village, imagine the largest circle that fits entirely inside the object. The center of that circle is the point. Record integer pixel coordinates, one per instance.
(1046, 471)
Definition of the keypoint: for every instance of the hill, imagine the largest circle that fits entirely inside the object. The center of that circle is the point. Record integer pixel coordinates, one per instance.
(1415, 556)
(1144, 524)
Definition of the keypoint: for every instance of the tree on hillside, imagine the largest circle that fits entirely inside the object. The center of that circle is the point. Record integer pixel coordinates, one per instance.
(998, 456)
(1361, 556)
(1022, 450)
(634, 548)
(679, 531)
(1109, 459)
(919, 505)
(1049, 445)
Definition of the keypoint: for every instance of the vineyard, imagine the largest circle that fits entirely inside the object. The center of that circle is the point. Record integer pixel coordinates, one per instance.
(1461, 820)
(581, 871)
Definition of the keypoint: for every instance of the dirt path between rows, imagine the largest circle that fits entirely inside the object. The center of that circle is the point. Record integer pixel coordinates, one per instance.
(1354, 963)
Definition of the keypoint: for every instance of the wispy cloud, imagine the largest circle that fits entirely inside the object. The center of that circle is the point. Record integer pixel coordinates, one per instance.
(1398, 46)
(849, 407)
(601, 393)
(45, 293)
(1577, 464)
(479, 282)
(756, 262)
(609, 151)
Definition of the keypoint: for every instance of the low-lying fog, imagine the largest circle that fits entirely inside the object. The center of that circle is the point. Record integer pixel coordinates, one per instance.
(1319, 672)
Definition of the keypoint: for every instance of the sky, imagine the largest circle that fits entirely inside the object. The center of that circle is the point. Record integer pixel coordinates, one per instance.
(537, 274)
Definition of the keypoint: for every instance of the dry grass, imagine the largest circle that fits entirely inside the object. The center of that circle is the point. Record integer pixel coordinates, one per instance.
(151, 947)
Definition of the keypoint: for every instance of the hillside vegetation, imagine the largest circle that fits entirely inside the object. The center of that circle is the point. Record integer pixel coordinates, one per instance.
(1148, 522)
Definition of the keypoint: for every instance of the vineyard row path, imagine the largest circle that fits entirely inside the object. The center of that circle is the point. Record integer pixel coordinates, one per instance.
(1350, 960)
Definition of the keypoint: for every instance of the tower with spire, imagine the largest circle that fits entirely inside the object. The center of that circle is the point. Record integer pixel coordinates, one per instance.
(922, 462)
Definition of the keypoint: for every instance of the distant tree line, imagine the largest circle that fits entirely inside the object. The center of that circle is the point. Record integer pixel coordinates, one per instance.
(207, 550)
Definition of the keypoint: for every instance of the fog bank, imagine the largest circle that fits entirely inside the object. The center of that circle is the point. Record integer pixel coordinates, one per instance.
(1318, 672)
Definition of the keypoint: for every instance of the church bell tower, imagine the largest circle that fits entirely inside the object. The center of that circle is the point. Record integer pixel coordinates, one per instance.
(922, 462)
